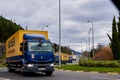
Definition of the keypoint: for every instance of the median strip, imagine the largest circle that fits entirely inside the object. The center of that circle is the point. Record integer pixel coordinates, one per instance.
(113, 73)
(77, 68)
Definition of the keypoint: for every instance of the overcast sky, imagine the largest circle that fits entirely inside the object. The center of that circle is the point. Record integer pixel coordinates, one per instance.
(35, 14)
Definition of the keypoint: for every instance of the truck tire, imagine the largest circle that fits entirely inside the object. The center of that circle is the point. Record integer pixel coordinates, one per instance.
(22, 71)
(48, 73)
(10, 69)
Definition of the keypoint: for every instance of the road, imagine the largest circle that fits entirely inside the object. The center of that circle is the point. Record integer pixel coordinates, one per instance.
(58, 75)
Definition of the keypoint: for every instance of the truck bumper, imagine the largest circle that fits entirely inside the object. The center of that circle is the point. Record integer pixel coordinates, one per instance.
(38, 67)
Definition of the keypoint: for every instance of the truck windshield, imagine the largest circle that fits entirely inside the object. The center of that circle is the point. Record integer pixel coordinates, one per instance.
(34, 46)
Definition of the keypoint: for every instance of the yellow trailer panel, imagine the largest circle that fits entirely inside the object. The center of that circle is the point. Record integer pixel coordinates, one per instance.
(64, 57)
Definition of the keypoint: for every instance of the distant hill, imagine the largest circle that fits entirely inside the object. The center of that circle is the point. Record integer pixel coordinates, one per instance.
(7, 28)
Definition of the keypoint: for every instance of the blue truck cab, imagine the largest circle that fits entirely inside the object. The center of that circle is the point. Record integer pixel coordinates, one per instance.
(38, 54)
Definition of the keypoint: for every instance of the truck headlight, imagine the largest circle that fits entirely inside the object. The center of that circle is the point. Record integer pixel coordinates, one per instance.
(51, 64)
(30, 65)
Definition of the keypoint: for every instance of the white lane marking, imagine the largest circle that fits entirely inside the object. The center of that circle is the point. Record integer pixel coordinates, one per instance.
(4, 79)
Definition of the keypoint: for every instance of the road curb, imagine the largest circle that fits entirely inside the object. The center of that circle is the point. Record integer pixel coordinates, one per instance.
(113, 73)
(79, 71)
(95, 72)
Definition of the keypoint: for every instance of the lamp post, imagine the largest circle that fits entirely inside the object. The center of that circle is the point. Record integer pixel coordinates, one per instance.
(92, 37)
(44, 27)
(89, 42)
(59, 33)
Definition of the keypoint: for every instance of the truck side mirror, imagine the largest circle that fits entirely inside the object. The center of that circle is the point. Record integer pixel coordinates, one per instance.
(21, 44)
(21, 48)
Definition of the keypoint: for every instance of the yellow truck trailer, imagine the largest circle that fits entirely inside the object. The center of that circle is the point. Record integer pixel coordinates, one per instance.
(64, 58)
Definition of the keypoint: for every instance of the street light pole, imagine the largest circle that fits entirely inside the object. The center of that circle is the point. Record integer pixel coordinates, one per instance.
(89, 42)
(59, 33)
(92, 37)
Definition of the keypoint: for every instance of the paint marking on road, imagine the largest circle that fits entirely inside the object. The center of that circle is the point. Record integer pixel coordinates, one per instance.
(4, 79)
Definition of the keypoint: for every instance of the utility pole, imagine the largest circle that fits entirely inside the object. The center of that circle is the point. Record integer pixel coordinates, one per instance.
(89, 43)
(92, 37)
(59, 33)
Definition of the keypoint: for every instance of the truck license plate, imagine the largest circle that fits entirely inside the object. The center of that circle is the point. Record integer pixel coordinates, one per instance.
(41, 68)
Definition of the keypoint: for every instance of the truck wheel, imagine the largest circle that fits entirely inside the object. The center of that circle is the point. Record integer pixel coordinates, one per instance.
(22, 71)
(10, 70)
(48, 73)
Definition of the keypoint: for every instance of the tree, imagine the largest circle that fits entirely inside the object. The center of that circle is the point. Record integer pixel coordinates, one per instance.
(104, 54)
(64, 49)
(115, 39)
(118, 24)
(7, 28)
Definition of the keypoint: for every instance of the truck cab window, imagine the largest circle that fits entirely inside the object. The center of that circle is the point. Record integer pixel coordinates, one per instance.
(34, 46)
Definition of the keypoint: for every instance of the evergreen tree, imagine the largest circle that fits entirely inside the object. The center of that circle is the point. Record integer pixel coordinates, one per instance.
(118, 24)
(115, 40)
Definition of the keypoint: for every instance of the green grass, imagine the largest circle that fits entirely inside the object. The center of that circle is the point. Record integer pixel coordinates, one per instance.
(76, 67)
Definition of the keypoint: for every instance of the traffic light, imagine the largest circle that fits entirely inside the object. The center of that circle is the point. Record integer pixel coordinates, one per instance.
(117, 3)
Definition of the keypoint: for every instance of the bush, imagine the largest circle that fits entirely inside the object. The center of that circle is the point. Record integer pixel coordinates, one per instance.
(92, 63)
(107, 64)
(85, 62)
(114, 64)
(82, 62)
(118, 61)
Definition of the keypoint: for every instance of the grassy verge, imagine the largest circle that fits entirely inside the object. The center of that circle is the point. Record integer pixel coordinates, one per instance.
(2, 61)
(76, 67)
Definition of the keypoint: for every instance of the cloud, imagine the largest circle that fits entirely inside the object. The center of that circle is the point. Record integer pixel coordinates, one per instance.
(74, 16)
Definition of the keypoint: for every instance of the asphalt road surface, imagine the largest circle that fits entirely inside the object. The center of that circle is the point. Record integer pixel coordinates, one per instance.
(58, 75)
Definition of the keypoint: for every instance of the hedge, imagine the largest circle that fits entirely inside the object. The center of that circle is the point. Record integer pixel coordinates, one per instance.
(92, 63)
